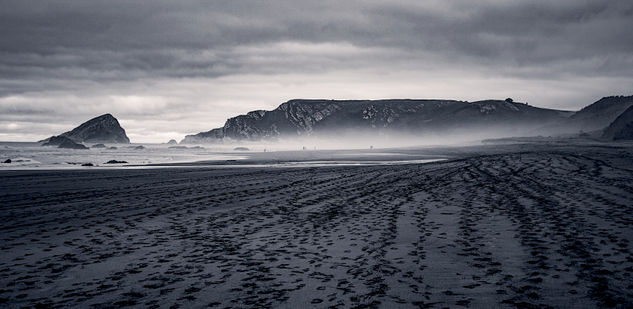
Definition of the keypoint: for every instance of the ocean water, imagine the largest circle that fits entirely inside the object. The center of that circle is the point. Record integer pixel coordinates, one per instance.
(34, 156)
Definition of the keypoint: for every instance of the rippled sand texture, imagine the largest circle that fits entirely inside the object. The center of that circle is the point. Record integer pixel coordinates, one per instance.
(542, 228)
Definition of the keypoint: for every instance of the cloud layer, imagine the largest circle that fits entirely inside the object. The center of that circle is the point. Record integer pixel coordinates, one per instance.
(167, 68)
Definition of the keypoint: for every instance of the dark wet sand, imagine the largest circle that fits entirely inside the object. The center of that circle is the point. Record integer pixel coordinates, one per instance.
(498, 227)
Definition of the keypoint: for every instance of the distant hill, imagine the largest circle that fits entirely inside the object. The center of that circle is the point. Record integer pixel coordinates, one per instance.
(621, 128)
(596, 116)
(102, 129)
(297, 118)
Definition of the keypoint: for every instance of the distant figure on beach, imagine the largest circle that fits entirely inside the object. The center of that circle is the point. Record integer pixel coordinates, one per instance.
(371, 147)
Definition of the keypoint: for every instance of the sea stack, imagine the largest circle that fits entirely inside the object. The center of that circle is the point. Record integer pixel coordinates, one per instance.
(102, 129)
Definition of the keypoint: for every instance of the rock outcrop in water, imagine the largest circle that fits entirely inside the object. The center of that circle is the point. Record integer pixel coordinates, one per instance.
(297, 118)
(115, 162)
(102, 129)
(621, 128)
(63, 142)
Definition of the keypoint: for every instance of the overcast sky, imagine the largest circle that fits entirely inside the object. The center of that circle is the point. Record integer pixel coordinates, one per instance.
(170, 68)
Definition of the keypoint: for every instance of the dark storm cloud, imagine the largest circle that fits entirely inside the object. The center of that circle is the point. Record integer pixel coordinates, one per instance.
(103, 40)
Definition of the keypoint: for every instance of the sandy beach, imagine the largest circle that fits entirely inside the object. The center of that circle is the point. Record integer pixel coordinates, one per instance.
(497, 226)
